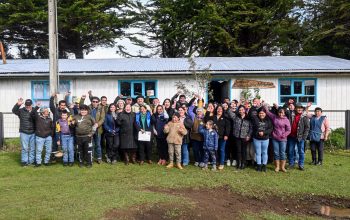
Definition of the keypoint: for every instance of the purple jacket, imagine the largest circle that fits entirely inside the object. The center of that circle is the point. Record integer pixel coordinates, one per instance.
(281, 127)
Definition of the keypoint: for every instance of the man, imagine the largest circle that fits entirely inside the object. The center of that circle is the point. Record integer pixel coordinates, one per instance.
(98, 113)
(300, 128)
(180, 102)
(253, 111)
(103, 100)
(140, 100)
(26, 130)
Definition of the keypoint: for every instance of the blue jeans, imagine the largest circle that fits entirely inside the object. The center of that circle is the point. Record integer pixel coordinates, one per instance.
(279, 149)
(185, 154)
(97, 145)
(292, 143)
(209, 153)
(67, 142)
(40, 143)
(222, 150)
(28, 148)
(300, 145)
(261, 150)
(198, 152)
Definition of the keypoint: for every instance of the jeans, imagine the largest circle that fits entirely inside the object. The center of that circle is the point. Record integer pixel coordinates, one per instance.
(185, 154)
(209, 153)
(300, 145)
(222, 150)
(261, 151)
(292, 144)
(67, 142)
(97, 145)
(28, 148)
(40, 143)
(279, 149)
(198, 152)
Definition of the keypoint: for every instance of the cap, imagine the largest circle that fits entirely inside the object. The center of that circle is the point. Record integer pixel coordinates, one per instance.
(140, 96)
(299, 105)
(28, 102)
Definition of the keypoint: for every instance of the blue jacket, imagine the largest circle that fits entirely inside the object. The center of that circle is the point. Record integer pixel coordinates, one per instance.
(148, 121)
(159, 121)
(110, 124)
(210, 138)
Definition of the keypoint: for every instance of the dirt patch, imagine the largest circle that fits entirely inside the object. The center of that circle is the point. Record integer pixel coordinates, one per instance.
(221, 203)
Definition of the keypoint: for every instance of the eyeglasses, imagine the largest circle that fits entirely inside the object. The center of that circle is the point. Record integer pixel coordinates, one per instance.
(95, 101)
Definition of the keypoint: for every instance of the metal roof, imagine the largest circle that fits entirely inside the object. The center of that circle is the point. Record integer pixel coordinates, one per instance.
(290, 64)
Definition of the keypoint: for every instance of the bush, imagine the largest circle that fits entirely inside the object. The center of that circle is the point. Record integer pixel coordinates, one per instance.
(336, 139)
(12, 144)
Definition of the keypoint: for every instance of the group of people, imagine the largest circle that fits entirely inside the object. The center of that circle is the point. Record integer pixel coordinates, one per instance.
(219, 134)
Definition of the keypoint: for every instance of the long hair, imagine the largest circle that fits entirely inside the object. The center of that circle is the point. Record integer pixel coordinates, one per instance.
(109, 108)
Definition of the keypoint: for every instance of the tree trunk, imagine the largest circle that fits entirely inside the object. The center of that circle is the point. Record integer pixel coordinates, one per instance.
(79, 54)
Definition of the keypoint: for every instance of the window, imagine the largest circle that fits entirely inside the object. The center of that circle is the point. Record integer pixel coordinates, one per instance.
(41, 91)
(135, 88)
(301, 90)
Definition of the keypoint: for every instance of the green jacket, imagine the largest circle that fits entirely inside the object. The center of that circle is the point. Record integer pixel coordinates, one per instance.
(83, 125)
(100, 115)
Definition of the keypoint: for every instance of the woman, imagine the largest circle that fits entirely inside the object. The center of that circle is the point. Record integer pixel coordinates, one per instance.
(127, 132)
(223, 126)
(120, 106)
(280, 133)
(167, 107)
(197, 138)
(112, 133)
(143, 124)
(242, 130)
(262, 128)
(188, 123)
(159, 120)
(210, 113)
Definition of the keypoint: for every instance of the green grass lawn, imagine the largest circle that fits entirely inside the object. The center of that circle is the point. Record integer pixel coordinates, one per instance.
(58, 192)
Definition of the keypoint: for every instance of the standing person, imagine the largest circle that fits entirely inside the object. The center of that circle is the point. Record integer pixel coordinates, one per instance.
(26, 130)
(223, 130)
(128, 134)
(120, 106)
(112, 134)
(197, 138)
(280, 133)
(319, 132)
(65, 134)
(210, 144)
(143, 124)
(188, 123)
(159, 120)
(180, 102)
(140, 100)
(242, 131)
(43, 134)
(97, 111)
(290, 113)
(168, 108)
(262, 128)
(85, 128)
(210, 113)
(176, 132)
(231, 151)
(300, 128)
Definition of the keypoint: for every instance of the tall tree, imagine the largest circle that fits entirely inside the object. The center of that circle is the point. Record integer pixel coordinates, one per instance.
(82, 25)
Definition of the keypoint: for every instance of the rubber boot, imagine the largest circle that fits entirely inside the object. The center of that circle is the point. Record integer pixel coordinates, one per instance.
(283, 166)
(133, 157)
(277, 165)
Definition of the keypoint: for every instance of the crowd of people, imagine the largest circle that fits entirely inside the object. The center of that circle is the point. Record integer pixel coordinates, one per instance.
(226, 133)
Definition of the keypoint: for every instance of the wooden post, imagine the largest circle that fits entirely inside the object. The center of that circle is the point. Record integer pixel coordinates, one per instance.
(1, 130)
(3, 55)
(53, 46)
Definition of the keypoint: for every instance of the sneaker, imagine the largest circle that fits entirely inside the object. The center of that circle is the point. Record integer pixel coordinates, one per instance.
(99, 161)
(205, 167)
(71, 164)
(81, 164)
(201, 165)
(114, 161)
(108, 160)
(65, 164)
(234, 163)
(213, 168)
(228, 163)
(301, 168)
(263, 168)
(319, 163)
(258, 168)
(196, 164)
(291, 166)
(24, 164)
(221, 167)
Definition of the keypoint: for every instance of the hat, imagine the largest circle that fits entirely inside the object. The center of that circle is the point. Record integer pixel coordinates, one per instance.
(129, 97)
(176, 114)
(84, 107)
(140, 96)
(28, 102)
(299, 105)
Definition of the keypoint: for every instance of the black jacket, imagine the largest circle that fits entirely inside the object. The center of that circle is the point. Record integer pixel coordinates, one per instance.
(264, 125)
(43, 126)
(127, 132)
(26, 122)
(223, 125)
(188, 123)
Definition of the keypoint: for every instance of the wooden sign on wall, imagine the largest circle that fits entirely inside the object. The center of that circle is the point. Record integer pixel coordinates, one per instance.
(251, 84)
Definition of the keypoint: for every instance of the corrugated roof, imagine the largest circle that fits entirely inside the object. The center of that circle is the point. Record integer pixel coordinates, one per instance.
(163, 65)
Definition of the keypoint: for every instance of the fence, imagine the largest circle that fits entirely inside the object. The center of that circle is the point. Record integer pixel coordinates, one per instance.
(9, 124)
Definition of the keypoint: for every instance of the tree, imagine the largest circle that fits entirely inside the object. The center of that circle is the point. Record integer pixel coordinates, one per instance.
(82, 25)
(329, 25)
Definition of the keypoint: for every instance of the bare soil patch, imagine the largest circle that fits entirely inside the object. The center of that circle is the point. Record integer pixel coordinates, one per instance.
(221, 203)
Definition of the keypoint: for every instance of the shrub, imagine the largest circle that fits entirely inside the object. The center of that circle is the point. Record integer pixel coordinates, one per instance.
(336, 139)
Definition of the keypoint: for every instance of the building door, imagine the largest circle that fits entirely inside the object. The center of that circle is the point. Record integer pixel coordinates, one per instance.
(220, 89)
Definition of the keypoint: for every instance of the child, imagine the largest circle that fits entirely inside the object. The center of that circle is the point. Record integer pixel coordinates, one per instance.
(65, 135)
(210, 145)
(176, 131)
(43, 132)
(84, 130)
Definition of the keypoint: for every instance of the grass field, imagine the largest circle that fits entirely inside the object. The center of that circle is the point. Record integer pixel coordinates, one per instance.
(58, 192)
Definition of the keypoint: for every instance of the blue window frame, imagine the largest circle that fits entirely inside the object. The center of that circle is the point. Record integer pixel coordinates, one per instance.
(41, 90)
(134, 88)
(300, 90)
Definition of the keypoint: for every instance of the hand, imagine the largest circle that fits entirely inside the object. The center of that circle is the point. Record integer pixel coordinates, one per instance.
(73, 121)
(71, 106)
(247, 138)
(89, 92)
(58, 143)
(96, 125)
(225, 138)
(290, 101)
(38, 104)
(309, 104)
(121, 95)
(83, 96)
(261, 133)
(54, 94)
(166, 127)
(143, 131)
(20, 101)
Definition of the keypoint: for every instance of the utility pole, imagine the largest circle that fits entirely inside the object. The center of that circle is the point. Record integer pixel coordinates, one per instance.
(2, 51)
(53, 46)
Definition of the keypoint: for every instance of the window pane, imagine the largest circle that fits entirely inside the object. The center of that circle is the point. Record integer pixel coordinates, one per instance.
(309, 87)
(285, 99)
(307, 99)
(137, 89)
(64, 87)
(298, 87)
(46, 90)
(150, 88)
(285, 87)
(38, 91)
(125, 88)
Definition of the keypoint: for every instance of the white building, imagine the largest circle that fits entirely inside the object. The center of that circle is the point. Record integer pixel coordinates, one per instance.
(322, 80)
